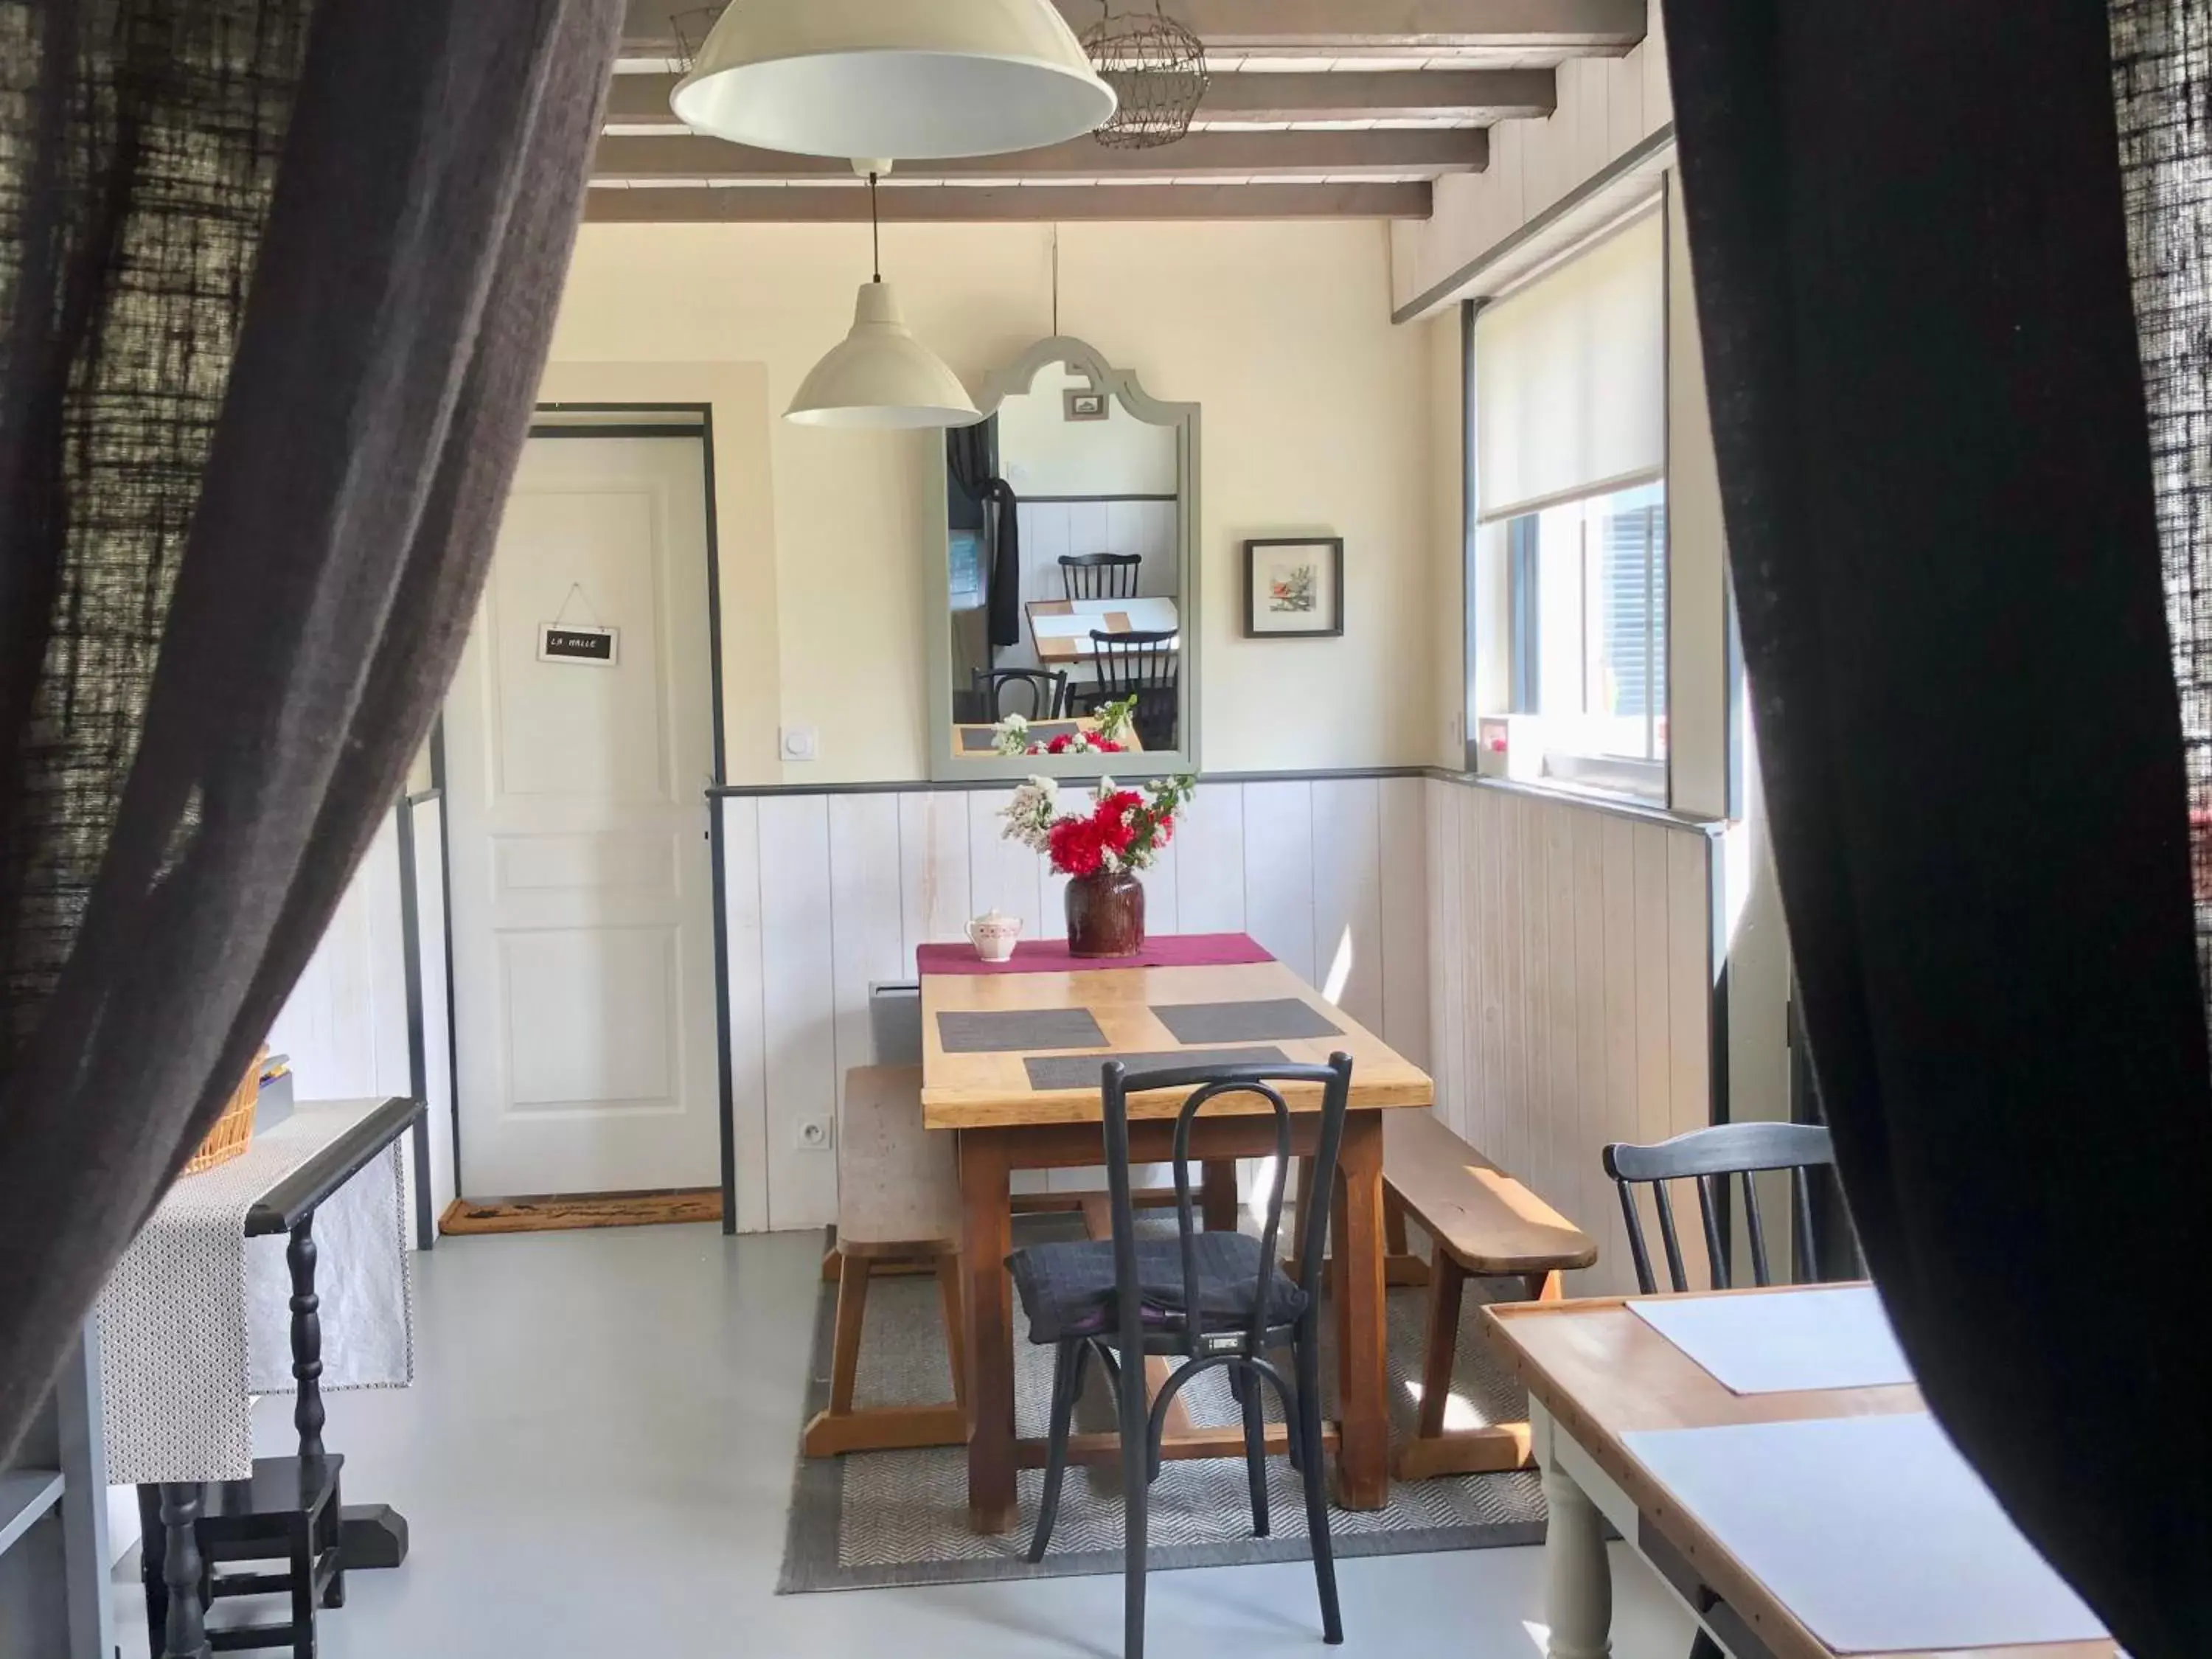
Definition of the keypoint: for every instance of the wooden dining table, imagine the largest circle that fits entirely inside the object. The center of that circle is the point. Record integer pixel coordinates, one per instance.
(1598, 1375)
(1028, 1098)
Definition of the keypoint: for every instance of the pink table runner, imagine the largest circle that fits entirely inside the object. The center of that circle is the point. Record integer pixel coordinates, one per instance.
(1052, 955)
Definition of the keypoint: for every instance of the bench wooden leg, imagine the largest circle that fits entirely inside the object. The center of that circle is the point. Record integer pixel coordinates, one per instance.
(948, 1286)
(845, 1345)
(839, 1428)
(1435, 1449)
(1447, 1284)
(1402, 1268)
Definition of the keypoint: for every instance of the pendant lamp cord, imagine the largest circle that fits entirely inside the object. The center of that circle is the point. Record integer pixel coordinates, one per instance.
(875, 232)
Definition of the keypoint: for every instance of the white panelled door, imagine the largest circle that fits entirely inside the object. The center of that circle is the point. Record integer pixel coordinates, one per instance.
(582, 910)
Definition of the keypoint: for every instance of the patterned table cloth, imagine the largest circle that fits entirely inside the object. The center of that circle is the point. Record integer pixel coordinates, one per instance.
(196, 1319)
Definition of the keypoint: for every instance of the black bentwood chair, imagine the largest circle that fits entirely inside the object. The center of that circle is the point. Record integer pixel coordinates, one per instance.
(1215, 1300)
(1711, 1156)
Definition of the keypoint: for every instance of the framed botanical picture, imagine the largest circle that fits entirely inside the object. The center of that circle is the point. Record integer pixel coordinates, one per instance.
(1085, 406)
(1294, 588)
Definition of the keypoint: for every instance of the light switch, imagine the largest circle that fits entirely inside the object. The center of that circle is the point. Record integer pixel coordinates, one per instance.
(800, 743)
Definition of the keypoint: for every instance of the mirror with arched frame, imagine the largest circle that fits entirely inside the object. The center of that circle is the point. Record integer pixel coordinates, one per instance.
(1066, 584)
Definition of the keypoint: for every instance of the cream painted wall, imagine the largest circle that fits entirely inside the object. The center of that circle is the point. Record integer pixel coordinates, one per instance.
(1316, 412)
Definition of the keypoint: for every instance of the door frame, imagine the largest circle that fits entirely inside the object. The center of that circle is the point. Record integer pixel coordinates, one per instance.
(644, 420)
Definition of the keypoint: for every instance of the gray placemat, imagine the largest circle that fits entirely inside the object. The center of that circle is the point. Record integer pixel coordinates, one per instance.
(1279, 1018)
(1012, 1030)
(1081, 1071)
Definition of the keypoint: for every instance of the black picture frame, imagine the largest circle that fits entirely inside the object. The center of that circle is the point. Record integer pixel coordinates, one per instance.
(1264, 558)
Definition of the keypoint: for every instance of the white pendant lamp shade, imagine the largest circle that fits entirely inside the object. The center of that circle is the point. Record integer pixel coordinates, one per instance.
(910, 79)
(879, 377)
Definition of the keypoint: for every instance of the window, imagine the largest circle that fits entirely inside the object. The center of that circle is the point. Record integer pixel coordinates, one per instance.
(1588, 638)
(1568, 581)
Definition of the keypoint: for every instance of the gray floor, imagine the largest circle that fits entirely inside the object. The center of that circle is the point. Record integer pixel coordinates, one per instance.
(597, 1458)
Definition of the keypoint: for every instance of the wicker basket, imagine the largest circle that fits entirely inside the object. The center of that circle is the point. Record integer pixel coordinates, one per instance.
(233, 1130)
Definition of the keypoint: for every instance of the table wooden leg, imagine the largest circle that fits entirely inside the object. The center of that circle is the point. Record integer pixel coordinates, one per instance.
(1217, 1198)
(1363, 1465)
(1577, 1578)
(986, 1236)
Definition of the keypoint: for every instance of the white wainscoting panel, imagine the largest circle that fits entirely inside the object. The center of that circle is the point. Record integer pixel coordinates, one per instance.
(743, 979)
(1569, 994)
(1550, 961)
(799, 1006)
(827, 893)
(1278, 872)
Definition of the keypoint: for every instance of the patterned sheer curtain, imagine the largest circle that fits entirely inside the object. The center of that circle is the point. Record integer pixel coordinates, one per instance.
(276, 282)
(1951, 262)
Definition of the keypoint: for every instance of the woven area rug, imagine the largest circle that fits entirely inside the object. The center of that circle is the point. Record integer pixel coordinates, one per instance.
(873, 1519)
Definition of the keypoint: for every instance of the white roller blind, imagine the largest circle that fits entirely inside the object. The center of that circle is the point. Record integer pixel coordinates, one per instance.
(1570, 376)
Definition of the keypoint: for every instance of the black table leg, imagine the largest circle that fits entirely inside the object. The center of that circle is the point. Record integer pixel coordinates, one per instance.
(307, 1415)
(370, 1536)
(185, 1631)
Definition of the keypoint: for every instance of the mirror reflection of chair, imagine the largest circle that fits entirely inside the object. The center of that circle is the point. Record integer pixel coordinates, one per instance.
(1100, 575)
(1144, 666)
(1035, 694)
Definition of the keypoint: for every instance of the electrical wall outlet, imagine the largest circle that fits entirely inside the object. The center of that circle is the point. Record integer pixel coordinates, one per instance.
(799, 743)
(813, 1134)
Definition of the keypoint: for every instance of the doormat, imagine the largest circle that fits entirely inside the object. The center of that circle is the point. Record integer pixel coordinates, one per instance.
(465, 1216)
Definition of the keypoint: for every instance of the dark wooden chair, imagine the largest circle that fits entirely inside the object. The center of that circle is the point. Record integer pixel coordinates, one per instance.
(1215, 1300)
(1709, 1158)
(1145, 666)
(1100, 575)
(1047, 692)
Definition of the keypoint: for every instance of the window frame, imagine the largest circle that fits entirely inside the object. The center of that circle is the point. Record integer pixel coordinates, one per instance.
(1643, 781)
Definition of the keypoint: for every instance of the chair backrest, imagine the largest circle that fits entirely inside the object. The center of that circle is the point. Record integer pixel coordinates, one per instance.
(1711, 1156)
(1100, 575)
(1210, 1084)
(1143, 665)
(1046, 691)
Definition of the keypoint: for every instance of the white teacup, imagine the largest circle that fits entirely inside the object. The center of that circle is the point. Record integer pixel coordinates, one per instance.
(994, 936)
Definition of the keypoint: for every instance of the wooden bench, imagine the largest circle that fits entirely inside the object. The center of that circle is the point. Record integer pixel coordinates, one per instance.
(1484, 1224)
(898, 1202)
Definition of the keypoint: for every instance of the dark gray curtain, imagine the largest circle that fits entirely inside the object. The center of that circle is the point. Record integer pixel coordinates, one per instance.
(1952, 421)
(277, 279)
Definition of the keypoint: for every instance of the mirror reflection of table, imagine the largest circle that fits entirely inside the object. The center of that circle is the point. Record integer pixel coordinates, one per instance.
(983, 740)
(1062, 628)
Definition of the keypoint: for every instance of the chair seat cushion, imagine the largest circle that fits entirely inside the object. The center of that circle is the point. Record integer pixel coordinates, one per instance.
(1068, 1289)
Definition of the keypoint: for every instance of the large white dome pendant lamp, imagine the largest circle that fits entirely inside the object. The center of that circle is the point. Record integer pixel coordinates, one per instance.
(912, 79)
(879, 377)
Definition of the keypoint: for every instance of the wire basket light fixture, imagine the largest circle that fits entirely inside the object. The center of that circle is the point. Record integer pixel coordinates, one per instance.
(690, 28)
(1157, 68)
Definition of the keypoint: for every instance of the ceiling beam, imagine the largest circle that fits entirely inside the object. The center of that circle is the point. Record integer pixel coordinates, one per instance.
(1225, 156)
(1476, 97)
(1026, 203)
(1334, 29)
